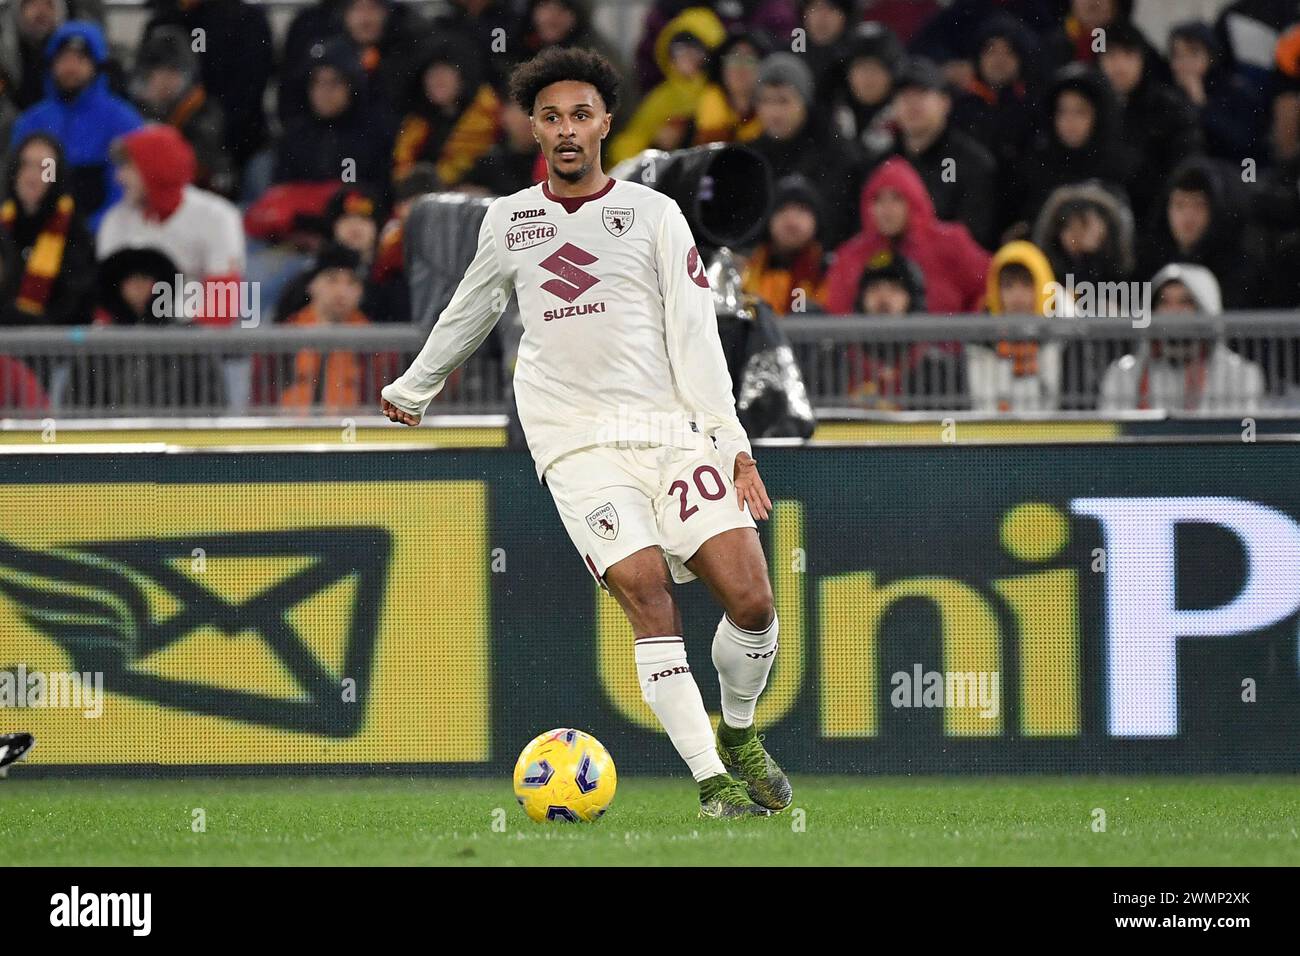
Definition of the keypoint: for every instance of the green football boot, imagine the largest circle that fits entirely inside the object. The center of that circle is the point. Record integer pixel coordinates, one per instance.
(745, 758)
(723, 796)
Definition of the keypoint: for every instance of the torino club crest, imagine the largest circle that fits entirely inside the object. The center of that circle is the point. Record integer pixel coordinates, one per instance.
(618, 220)
(604, 521)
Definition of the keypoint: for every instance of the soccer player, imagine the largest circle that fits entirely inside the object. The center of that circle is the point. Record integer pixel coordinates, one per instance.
(625, 399)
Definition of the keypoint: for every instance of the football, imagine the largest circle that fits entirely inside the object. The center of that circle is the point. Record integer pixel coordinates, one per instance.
(565, 775)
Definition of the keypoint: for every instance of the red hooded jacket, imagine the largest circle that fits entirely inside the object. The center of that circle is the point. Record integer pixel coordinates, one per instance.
(952, 262)
(166, 164)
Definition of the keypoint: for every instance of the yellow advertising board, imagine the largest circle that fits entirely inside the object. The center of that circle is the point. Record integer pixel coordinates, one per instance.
(269, 623)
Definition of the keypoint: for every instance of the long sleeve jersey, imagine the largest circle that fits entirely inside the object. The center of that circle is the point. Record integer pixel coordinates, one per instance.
(620, 341)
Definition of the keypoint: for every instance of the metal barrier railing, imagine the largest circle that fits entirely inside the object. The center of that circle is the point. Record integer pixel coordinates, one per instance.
(1236, 363)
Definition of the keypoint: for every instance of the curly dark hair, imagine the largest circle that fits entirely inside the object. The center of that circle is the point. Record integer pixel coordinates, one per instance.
(556, 64)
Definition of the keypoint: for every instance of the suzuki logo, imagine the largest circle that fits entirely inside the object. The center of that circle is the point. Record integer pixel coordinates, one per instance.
(564, 263)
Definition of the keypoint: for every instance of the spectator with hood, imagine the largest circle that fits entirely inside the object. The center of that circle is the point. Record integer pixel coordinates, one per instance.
(455, 115)
(959, 173)
(125, 284)
(568, 23)
(478, 23)
(334, 380)
(828, 26)
(513, 163)
(728, 108)
(1202, 220)
(1182, 374)
(167, 89)
(1277, 197)
(352, 220)
(237, 63)
(338, 127)
(894, 376)
(1231, 111)
(787, 270)
(79, 109)
(381, 34)
(663, 119)
(772, 18)
(1155, 122)
(996, 106)
(1016, 375)
(891, 285)
(312, 24)
(135, 287)
(1077, 141)
(25, 27)
(898, 216)
(793, 140)
(864, 88)
(953, 36)
(1086, 231)
(160, 209)
(1084, 30)
(55, 268)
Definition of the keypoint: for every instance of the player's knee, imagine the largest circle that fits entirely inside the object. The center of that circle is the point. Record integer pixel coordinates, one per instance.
(650, 608)
(754, 609)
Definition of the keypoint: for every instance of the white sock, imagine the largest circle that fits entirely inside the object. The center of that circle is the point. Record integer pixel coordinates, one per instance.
(743, 659)
(669, 688)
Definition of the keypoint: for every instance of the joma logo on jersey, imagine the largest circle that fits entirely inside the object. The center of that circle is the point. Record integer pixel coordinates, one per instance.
(571, 310)
(571, 280)
(529, 234)
(526, 214)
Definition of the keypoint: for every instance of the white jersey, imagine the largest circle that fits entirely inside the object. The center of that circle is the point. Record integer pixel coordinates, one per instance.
(620, 341)
(204, 236)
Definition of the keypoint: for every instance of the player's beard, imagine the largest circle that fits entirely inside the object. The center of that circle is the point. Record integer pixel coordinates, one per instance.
(572, 176)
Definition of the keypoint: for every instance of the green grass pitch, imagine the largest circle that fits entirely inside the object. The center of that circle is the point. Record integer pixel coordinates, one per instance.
(841, 820)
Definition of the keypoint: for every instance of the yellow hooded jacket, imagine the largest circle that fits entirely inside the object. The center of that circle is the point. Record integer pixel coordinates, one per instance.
(676, 98)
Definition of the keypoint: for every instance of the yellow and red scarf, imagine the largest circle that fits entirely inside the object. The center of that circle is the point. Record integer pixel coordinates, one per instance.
(46, 259)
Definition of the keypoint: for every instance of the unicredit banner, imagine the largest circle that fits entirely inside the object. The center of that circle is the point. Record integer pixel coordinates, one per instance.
(961, 608)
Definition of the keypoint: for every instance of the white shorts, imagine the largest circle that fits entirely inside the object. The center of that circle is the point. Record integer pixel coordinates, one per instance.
(614, 501)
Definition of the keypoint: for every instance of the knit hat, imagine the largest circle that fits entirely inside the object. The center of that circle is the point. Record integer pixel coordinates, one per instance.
(873, 40)
(336, 256)
(886, 266)
(355, 199)
(167, 46)
(787, 69)
(918, 72)
(797, 189)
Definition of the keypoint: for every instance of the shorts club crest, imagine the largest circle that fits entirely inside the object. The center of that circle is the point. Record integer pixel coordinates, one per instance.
(604, 521)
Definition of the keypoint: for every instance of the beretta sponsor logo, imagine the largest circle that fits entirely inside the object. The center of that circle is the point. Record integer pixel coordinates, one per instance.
(529, 234)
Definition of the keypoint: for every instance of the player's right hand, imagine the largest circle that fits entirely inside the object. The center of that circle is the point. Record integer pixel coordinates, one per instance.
(395, 414)
(749, 488)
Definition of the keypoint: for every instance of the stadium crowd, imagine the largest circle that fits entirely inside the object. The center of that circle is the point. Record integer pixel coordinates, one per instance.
(934, 158)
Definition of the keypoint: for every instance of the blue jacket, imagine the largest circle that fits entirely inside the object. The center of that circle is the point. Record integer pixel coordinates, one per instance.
(85, 126)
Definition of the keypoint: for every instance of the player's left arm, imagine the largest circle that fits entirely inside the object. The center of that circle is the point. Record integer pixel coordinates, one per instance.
(695, 354)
